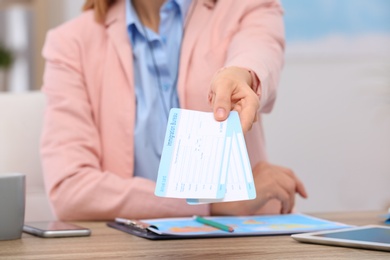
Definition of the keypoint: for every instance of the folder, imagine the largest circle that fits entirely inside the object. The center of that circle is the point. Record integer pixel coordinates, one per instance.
(261, 225)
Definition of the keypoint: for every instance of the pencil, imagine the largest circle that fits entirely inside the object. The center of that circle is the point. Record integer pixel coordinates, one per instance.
(213, 224)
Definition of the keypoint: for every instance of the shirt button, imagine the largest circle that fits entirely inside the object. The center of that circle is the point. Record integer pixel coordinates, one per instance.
(165, 86)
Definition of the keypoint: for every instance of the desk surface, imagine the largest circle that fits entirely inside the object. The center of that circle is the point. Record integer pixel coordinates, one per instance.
(108, 243)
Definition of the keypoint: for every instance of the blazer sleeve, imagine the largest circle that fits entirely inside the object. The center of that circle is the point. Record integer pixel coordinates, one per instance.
(78, 187)
(259, 46)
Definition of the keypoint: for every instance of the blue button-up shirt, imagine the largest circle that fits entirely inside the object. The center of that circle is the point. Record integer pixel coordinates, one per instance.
(155, 76)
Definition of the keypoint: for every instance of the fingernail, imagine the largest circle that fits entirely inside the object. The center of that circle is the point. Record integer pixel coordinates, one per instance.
(220, 113)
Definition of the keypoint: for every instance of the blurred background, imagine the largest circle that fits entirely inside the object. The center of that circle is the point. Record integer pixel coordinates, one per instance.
(331, 121)
(23, 26)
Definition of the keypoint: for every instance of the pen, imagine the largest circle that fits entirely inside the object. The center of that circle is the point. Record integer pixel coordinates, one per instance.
(213, 224)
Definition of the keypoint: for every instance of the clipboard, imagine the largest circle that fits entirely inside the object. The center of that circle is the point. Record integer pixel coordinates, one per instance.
(139, 232)
(245, 226)
(144, 233)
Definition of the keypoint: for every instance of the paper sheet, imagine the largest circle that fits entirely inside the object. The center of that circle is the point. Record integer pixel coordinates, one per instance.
(202, 156)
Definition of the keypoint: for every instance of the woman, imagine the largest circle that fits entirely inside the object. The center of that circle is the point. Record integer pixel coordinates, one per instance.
(111, 77)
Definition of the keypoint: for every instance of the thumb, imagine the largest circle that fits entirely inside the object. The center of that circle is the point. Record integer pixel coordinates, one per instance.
(221, 104)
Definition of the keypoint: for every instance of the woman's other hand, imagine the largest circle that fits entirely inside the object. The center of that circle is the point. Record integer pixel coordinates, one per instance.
(271, 182)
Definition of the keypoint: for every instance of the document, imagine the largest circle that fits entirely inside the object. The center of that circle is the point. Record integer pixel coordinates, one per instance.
(204, 160)
(239, 182)
(171, 228)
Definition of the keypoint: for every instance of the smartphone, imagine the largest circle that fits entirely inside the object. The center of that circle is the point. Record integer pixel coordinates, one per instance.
(55, 229)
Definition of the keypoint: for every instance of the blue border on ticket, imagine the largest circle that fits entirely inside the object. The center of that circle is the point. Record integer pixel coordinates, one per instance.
(235, 129)
(166, 157)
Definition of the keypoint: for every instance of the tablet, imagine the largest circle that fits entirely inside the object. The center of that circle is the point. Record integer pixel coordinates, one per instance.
(368, 237)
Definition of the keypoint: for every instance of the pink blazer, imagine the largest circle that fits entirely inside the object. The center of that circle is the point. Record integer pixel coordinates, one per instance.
(87, 143)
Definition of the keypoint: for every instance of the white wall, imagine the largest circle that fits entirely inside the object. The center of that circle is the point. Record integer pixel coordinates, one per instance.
(72, 8)
(331, 123)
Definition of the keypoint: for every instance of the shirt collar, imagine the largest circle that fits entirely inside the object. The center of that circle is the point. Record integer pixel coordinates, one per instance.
(184, 5)
(134, 24)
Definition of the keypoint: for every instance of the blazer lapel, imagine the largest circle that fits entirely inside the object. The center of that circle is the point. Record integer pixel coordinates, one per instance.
(120, 99)
(197, 18)
(116, 27)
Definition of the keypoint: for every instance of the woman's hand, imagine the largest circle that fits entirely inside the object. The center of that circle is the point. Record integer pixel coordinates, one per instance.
(271, 182)
(231, 90)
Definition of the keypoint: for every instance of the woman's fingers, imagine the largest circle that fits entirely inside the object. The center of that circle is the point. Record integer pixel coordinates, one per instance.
(229, 90)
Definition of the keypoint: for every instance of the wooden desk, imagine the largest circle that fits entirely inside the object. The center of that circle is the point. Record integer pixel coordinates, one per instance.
(108, 243)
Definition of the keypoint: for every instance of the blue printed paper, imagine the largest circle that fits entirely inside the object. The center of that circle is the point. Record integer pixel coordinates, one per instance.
(245, 225)
(204, 160)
